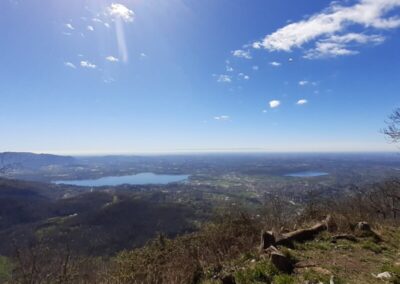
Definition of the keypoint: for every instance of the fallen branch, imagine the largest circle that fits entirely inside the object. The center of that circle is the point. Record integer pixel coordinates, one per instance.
(271, 239)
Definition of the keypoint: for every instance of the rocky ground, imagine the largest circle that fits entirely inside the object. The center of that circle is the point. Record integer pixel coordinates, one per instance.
(319, 254)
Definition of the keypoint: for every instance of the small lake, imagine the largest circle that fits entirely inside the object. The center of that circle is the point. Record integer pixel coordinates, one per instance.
(138, 179)
(307, 174)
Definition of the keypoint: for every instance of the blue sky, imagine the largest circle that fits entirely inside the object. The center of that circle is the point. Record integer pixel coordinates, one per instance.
(135, 76)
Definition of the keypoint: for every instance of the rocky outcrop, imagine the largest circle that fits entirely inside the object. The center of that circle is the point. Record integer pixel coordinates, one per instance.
(279, 260)
(267, 240)
(363, 229)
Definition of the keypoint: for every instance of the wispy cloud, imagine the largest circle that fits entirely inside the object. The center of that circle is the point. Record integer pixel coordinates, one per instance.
(223, 78)
(90, 28)
(69, 26)
(302, 102)
(244, 76)
(303, 82)
(222, 117)
(228, 66)
(275, 64)
(255, 68)
(328, 30)
(274, 104)
(112, 58)
(143, 55)
(70, 65)
(87, 64)
(241, 53)
(340, 45)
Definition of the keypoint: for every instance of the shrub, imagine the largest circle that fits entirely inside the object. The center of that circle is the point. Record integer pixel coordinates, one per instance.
(5, 269)
(262, 271)
(187, 259)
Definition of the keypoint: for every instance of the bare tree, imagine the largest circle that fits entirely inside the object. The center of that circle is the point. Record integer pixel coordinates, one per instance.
(392, 131)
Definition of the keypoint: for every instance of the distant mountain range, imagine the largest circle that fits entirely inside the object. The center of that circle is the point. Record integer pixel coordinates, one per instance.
(32, 161)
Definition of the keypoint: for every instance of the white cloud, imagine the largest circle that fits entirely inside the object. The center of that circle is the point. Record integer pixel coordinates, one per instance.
(70, 65)
(356, 37)
(69, 26)
(224, 78)
(120, 11)
(112, 58)
(276, 64)
(143, 55)
(274, 103)
(90, 28)
(302, 102)
(107, 25)
(97, 20)
(244, 76)
(340, 45)
(222, 117)
(329, 28)
(256, 45)
(87, 64)
(241, 53)
(328, 49)
(255, 68)
(303, 82)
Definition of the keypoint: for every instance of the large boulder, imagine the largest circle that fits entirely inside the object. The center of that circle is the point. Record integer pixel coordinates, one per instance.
(330, 223)
(267, 240)
(228, 279)
(279, 260)
(363, 229)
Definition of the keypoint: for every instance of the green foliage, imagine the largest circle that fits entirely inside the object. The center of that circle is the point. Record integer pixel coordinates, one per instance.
(284, 279)
(289, 254)
(394, 270)
(262, 271)
(370, 245)
(315, 277)
(5, 269)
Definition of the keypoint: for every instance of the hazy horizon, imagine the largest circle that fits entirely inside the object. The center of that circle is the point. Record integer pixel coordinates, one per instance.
(206, 152)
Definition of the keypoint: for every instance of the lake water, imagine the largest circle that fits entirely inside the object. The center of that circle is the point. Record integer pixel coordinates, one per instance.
(307, 174)
(138, 179)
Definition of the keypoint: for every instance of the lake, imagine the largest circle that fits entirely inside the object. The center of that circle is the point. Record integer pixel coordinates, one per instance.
(307, 174)
(138, 179)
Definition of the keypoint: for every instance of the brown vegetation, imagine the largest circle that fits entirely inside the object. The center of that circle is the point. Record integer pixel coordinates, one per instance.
(228, 248)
